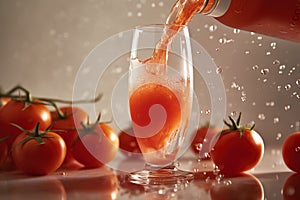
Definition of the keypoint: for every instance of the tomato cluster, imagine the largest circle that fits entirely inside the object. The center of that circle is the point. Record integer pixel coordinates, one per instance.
(39, 140)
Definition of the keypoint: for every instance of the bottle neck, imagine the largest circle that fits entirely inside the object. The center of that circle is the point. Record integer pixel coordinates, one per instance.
(215, 8)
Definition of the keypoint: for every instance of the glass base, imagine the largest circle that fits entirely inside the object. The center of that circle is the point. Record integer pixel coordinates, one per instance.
(167, 176)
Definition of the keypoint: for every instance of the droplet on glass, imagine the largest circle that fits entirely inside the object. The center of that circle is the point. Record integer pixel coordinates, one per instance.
(268, 53)
(297, 149)
(298, 82)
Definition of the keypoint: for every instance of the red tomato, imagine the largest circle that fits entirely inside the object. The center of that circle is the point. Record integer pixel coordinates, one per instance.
(237, 149)
(68, 124)
(291, 151)
(128, 143)
(244, 186)
(291, 187)
(25, 116)
(3, 153)
(98, 144)
(38, 153)
(201, 143)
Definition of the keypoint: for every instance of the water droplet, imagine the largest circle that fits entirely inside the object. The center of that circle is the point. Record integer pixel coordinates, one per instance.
(129, 14)
(268, 53)
(282, 67)
(139, 14)
(273, 45)
(264, 71)
(275, 120)
(276, 62)
(212, 28)
(259, 37)
(278, 136)
(255, 67)
(233, 113)
(287, 107)
(297, 149)
(261, 116)
(236, 31)
(153, 5)
(287, 87)
(298, 82)
(219, 70)
(247, 52)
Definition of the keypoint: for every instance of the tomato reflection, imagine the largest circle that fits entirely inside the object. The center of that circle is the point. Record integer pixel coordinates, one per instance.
(291, 187)
(34, 188)
(243, 186)
(104, 185)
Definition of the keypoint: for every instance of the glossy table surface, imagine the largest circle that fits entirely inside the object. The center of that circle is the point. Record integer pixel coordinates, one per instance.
(106, 183)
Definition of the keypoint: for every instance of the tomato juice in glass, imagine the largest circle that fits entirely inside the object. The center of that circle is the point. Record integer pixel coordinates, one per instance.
(158, 107)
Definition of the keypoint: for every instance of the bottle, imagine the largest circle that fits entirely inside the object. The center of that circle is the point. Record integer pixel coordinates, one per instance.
(276, 18)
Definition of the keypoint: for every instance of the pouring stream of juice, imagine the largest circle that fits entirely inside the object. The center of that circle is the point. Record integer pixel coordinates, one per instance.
(180, 15)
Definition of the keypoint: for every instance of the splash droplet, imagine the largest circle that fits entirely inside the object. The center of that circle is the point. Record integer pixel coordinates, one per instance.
(287, 107)
(261, 116)
(264, 71)
(276, 62)
(278, 136)
(212, 28)
(273, 45)
(287, 87)
(255, 67)
(275, 120)
(236, 31)
(282, 67)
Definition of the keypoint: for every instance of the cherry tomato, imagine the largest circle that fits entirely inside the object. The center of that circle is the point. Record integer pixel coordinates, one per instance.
(291, 187)
(26, 116)
(243, 186)
(98, 144)
(128, 143)
(3, 152)
(38, 153)
(291, 151)
(201, 142)
(237, 149)
(68, 125)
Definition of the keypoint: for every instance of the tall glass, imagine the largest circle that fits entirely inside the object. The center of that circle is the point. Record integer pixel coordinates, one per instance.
(160, 100)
